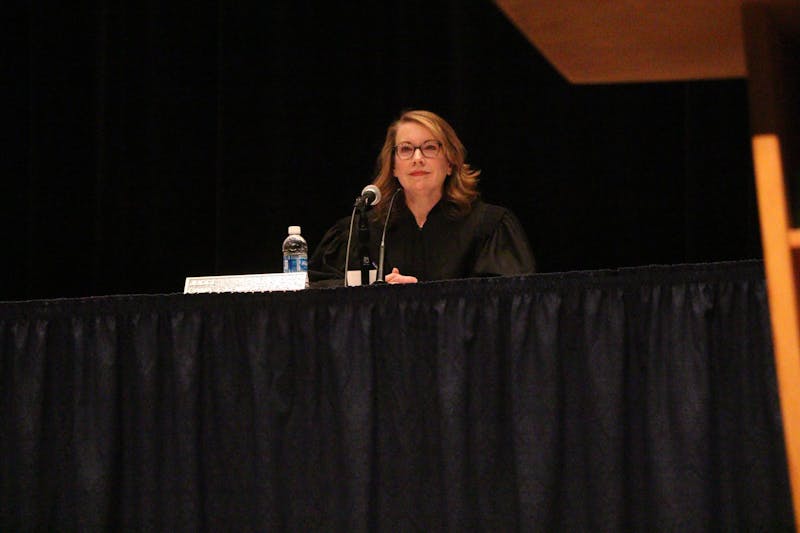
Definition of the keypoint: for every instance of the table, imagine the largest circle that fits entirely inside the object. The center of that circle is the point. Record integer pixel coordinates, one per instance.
(634, 399)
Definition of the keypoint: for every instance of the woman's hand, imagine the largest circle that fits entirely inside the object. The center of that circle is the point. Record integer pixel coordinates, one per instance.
(396, 277)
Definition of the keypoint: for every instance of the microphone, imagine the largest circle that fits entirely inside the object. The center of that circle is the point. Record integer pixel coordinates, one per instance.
(370, 195)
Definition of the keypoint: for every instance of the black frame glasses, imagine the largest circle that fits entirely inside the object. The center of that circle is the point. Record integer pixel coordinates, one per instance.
(429, 149)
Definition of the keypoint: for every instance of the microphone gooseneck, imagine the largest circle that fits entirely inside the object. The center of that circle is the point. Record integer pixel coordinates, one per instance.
(349, 240)
(379, 277)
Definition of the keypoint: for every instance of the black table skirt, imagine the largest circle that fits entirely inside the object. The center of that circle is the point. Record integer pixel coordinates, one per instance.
(638, 399)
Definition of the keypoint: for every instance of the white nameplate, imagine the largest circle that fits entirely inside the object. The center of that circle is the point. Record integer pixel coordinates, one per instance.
(354, 277)
(290, 281)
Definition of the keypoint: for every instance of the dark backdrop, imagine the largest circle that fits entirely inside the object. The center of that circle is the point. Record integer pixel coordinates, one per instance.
(147, 142)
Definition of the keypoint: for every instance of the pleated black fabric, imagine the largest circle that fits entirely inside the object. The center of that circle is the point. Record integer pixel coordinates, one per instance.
(636, 400)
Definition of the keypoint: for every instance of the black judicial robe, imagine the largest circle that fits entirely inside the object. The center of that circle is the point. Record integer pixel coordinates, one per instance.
(489, 241)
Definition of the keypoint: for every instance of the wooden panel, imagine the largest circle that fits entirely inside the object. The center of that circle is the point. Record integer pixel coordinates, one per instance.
(591, 41)
(780, 267)
(794, 238)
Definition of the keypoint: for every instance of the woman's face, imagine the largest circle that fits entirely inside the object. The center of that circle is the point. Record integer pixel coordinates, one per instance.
(420, 175)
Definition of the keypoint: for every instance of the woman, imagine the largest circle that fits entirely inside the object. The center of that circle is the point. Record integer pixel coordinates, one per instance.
(439, 228)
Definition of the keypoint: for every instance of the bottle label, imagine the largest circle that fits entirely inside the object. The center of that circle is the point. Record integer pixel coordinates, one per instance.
(295, 263)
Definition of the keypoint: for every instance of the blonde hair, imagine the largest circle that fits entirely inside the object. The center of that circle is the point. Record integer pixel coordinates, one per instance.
(460, 186)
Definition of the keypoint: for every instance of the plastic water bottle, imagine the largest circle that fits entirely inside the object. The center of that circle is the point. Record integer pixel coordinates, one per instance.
(295, 251)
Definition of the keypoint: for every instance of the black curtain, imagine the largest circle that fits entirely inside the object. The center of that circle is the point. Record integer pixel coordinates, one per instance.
(147, 142)
(630, 400)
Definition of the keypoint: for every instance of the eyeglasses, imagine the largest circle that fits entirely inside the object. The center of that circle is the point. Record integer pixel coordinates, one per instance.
(428, 149)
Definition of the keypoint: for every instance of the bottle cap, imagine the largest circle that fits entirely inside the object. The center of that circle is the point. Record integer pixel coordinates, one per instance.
(294, 230)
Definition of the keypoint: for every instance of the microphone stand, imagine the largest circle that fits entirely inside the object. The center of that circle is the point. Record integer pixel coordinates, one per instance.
(363, 241)
(371, 195)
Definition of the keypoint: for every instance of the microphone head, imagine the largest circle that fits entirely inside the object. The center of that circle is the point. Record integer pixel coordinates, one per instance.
(372, 193)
